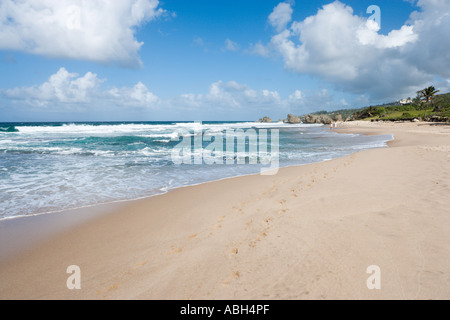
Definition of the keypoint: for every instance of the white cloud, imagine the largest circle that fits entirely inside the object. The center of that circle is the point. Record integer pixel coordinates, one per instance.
(301, 102)
(101, 31)
(431, 53)
(281, 16)
(228, 96)
(61, 87)
(65, 90)
(259, 49)
(197, 41)
(348, 51)
(368, 35)
(137, 96)
(231, 45)
(296, 96)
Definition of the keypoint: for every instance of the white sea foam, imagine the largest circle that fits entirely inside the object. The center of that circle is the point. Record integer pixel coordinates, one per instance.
(171, 135)
(158, 129)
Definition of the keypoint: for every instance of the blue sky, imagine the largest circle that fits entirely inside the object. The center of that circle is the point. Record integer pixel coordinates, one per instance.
(74, 60)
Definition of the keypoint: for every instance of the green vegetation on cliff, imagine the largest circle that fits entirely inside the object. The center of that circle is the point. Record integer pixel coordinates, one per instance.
(417, 109)
(423, 107)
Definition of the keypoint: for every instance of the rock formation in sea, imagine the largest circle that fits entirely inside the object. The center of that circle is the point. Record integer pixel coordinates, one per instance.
(265, 120)
(293, 119)
(323, 118)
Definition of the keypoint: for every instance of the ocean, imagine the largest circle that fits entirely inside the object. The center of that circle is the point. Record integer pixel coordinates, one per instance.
(51, 167)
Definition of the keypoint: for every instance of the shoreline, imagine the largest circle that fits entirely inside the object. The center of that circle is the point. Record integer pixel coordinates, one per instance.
(54, 223)
(162, 190)
(113, 202)
(175, 247)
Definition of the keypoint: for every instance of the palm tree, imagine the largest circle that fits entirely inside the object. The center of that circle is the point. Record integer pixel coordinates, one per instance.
(427, 95)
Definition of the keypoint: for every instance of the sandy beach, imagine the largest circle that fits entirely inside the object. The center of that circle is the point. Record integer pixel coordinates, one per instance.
(309, 232)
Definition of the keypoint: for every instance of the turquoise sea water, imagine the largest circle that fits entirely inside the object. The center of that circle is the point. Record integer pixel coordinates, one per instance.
(47, 167)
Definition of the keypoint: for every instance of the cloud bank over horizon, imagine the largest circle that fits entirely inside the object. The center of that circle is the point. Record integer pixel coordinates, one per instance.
(65, 92)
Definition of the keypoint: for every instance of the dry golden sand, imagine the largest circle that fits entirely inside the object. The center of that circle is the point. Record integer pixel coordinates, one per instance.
(309, 232)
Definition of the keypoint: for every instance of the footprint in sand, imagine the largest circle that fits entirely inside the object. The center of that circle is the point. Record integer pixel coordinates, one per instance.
(113, 287)
(283, 206)
(140, 265)
(237, 209)
(174, 250)
(293, 193)
(234, 251)
(218, 225)
(234, 275)
(262, 235)
(221, 220)
(248, 224)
